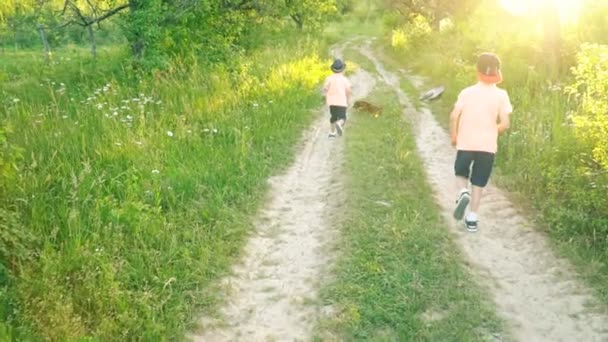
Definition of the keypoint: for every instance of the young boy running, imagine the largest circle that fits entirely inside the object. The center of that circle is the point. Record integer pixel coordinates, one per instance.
(337, 90)
(480, 114)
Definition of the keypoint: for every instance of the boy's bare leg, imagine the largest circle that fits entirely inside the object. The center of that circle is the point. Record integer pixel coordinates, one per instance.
(461, 183)
(476, 198)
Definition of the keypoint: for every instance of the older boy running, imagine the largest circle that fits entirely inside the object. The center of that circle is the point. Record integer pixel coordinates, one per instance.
(480, 114)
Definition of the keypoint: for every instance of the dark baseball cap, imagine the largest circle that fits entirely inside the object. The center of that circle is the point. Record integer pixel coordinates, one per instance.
(488, 65)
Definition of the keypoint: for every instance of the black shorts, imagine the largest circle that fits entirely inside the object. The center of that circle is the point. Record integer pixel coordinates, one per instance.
(480, 172)
(337, 113)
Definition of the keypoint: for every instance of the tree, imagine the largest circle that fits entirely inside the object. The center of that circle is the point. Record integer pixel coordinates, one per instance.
(434, 10)
(309, 12)
(157, 29)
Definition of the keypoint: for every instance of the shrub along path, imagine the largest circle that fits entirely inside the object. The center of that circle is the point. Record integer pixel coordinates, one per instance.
(537, 293)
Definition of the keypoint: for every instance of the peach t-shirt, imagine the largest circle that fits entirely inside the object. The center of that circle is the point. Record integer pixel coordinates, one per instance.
(480, 106)
(336, 89)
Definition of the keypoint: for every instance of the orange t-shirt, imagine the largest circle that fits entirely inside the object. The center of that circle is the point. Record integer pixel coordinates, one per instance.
(337, 88)
(480, 106)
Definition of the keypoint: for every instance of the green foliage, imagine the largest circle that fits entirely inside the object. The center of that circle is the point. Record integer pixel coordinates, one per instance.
(591, 91)
(435, 10)
(156, 30)
(309, 13)
(412, 33)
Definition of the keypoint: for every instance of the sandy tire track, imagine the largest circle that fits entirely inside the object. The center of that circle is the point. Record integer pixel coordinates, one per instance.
(536, 293)
(287, 257)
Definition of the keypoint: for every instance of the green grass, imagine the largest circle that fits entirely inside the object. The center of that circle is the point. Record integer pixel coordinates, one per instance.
(123, 197)
(400, 276)
(540, 161)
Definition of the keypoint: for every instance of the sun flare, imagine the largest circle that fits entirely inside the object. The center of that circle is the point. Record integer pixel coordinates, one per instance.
(568, 9)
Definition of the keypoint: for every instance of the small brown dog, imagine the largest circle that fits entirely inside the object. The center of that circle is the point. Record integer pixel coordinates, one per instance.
(364, 106)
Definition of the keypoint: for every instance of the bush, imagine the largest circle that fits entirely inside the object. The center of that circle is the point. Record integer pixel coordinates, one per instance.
(412, 33)
(590, 90)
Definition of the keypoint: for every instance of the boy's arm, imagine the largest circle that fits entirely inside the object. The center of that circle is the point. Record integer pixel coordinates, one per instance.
(505, 122)
(325, 87)
(454, 117)
(504, 116)
(349, 92)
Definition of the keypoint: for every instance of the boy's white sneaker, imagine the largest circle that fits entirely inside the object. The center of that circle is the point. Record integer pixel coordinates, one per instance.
(332, 135)
(461, 204)
(471, 222)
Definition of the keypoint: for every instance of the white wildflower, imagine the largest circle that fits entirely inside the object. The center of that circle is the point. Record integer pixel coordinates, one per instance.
(138, 143)
(169, 133)
(214, 130)
(117, 144)
(155, 171)
(15, 100)
(65, 116)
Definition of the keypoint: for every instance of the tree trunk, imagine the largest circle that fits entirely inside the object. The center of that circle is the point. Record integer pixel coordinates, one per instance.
(298, 20)
(137, 42)
(552, 38)
(92, 40)
(45, 42)
(15, 37)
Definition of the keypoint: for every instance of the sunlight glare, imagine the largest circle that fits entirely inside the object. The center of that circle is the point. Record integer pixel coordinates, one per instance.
(568, 9)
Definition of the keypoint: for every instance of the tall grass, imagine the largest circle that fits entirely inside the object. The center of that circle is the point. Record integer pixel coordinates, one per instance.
(124, 197)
